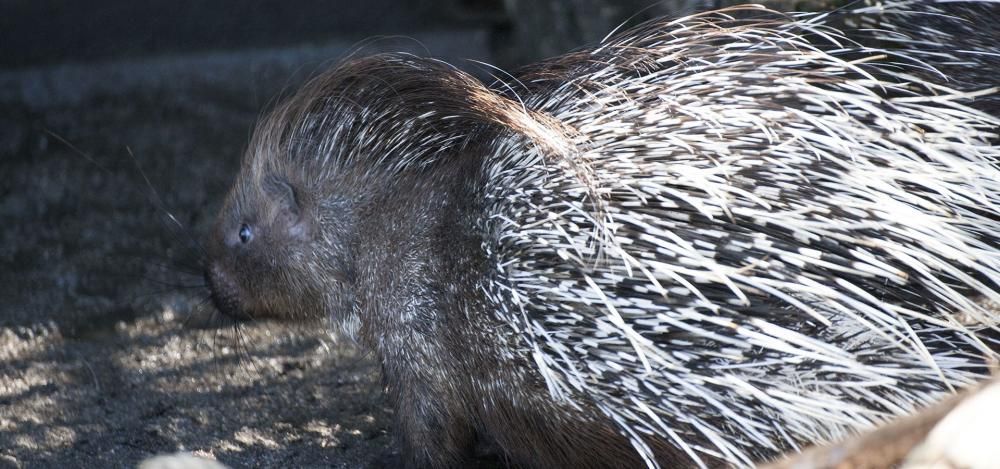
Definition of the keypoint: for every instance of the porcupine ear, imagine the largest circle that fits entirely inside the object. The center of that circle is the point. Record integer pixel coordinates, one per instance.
(289, 207)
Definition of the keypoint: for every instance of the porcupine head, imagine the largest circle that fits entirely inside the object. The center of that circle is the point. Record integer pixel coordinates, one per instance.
(340, 196)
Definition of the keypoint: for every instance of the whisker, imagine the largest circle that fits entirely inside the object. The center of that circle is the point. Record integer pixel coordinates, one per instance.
(158, 202)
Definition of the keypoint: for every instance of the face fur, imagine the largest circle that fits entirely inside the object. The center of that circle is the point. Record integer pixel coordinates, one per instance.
(267, 257)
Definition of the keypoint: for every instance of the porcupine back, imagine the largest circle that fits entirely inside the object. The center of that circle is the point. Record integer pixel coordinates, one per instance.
(757, 235)
(958, 42)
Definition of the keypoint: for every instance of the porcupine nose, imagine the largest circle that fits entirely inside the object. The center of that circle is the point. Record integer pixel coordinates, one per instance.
(224, 293)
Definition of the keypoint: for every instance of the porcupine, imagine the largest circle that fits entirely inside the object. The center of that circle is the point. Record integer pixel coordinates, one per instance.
(702, 242)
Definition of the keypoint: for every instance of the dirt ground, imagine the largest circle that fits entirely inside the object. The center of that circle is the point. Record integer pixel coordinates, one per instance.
(108, 351)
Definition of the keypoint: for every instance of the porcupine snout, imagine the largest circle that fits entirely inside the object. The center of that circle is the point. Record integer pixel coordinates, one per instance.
(224, 293)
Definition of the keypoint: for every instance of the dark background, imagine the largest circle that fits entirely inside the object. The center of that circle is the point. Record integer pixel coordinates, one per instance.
(46, 32)
(108, 353)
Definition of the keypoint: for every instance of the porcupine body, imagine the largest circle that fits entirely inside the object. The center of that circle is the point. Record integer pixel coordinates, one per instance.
(703, 242)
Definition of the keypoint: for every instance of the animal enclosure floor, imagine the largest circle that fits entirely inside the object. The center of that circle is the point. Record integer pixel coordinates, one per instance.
(114, 396)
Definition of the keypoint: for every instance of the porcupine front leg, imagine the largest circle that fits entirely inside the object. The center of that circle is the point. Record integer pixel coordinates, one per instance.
(432, 427)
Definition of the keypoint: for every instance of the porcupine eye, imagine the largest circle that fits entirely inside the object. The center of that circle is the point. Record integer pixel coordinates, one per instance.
(246, 234)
